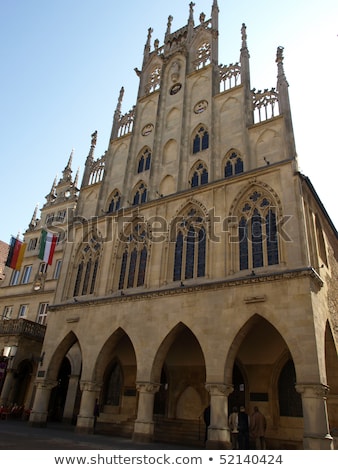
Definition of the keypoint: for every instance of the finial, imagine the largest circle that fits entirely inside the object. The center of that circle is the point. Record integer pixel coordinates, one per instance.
(94, 138)
(279, 56)
(191, 12)
(244, 36)
(202, 17)
(170, 19)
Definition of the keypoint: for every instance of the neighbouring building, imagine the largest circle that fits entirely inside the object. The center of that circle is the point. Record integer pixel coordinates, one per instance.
(194, 265)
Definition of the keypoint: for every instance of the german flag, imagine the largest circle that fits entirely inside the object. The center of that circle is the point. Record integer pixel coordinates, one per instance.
(15, 254)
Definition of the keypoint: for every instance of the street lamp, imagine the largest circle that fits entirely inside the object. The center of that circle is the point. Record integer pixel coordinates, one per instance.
(10, 352)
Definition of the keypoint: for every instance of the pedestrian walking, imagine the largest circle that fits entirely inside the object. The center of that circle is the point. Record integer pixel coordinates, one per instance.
(243, 429)
(233, 426)
(258, 428)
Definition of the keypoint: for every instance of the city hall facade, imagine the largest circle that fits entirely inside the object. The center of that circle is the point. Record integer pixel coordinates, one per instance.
(197, 265)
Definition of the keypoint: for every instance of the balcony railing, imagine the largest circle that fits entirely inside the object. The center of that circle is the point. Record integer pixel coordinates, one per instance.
(22, 327)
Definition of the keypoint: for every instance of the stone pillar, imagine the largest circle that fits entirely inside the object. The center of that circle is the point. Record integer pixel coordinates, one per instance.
(85, 419)
(71, 397)
(39, 413)
(144, 424)
(316, 424)
(219, 433)
(7, 388)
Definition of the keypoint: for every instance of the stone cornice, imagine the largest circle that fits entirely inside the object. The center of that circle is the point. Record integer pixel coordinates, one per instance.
(188, 289)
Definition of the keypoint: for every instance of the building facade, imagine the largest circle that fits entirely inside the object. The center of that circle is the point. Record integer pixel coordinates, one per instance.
(198, 264)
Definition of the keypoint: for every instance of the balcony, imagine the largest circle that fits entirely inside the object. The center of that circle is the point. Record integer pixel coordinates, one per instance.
(22, 327)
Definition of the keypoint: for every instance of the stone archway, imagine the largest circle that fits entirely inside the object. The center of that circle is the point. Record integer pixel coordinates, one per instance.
(181, 360)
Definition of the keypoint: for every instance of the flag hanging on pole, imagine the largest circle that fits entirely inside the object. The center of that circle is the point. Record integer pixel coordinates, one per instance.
(47, 246)
(16, 253)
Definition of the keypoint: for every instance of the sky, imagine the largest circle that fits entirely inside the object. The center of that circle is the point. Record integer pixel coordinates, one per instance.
(64, 62)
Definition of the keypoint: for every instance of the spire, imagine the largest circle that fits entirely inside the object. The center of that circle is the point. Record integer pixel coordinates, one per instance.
(76, 180)
(117, 115)
(245, 75)
(34, 219)
(89, 160)
(191, 21)
(191, 14)
(284, 102)
(214, 15)
(147, 46)
(281, 78)
(52, 194)
(170, 19)
(67, 172)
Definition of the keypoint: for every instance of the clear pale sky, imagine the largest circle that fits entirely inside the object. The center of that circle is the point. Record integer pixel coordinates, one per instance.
(64, 61)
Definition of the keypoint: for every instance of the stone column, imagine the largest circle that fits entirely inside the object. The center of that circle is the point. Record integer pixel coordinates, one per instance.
(144, 424)
(71, 397)
(7, 388)
(219, 433)
(39, 413)
(85, 419)
(316, 424)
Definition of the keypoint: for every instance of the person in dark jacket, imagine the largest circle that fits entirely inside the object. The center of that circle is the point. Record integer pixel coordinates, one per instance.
(206, 416)
(243, 429)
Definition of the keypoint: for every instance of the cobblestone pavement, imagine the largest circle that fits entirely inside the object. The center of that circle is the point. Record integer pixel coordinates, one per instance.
(20, 435)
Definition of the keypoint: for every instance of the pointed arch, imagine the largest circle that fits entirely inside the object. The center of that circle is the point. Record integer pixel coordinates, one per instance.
(114, 201)
(199, 174)
(132, 255)
(143, 160)
(257, 209)
(233, 163)
(200, 139)
(188, 252)
(139, 193)
(86, 266)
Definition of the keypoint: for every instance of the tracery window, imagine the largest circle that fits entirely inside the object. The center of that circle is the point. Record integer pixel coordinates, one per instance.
(201, 140)
(154, 80)
(134, 257)
(234, 165)
(144, 160)
(199, 176)
(115, 202)
(190, 247)
(87, 268)
(257, 232)
(203, 56)
(140, 194)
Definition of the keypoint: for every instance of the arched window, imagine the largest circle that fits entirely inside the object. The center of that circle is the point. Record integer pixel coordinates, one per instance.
(201, 140)
(234, 165)
(115, 202)
(87, 268)
(134, 258)
(144, 161)
(190, 248)
(200, 175)
(257, 232)
(140, 194)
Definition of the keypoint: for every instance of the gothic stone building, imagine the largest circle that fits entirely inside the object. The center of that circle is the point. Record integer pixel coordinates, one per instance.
(199, 264)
